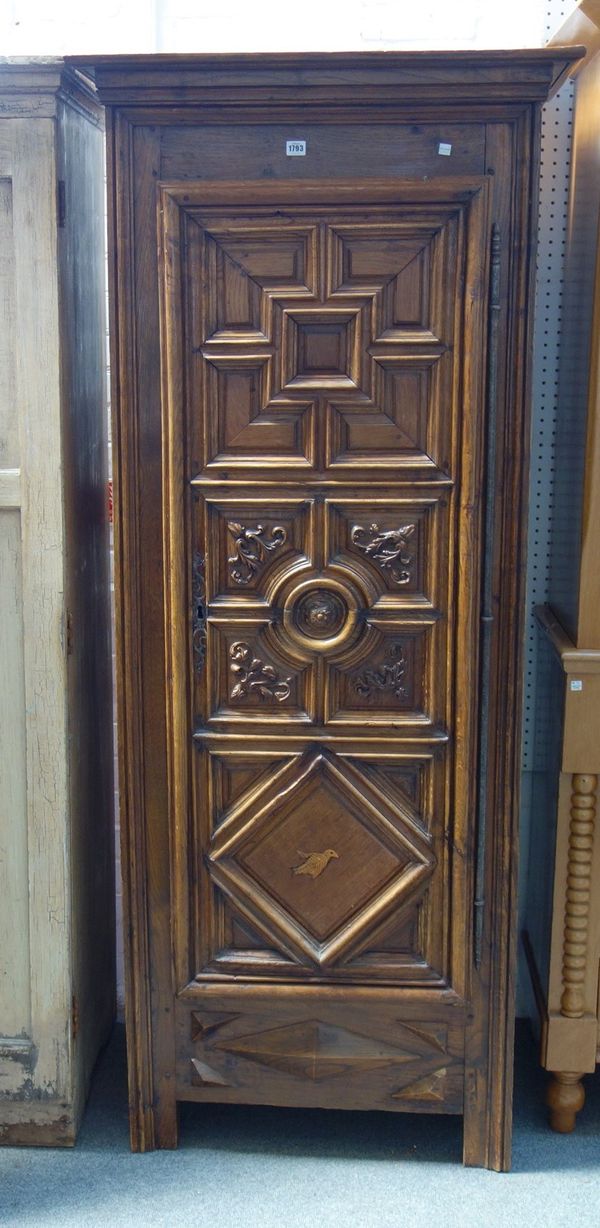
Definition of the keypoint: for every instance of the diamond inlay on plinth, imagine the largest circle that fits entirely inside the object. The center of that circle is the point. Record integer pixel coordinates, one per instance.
(315, 1050)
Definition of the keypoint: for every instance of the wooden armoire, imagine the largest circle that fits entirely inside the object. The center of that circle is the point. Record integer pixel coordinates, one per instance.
(57, 931)
(321, 271)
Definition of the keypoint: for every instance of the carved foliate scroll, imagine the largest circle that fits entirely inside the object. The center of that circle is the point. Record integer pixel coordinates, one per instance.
(388, 677)
(253, 677)
(251, 549)
(388, 548)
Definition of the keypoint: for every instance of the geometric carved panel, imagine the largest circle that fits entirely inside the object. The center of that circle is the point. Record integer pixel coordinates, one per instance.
(315, 1050)
(325, 346)
(246, 423)
(324, 350)
(395, 419)
(244, 266)
(398, 270)
(317, 857)
(415, 1057)
(431, 1087)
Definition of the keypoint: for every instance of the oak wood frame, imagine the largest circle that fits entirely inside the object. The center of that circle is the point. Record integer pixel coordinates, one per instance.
(504, 91)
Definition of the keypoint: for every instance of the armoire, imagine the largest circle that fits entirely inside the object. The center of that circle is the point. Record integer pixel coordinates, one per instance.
(57, 901)
(321, 271)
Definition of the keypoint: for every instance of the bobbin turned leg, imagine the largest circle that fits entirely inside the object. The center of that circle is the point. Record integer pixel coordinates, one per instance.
(565, 1097)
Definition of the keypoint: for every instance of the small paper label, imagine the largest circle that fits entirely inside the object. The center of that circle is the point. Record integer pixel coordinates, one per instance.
(576, 684)
(295, 149)
(444, 149)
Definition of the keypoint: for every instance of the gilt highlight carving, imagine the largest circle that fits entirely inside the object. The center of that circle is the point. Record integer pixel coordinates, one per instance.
(253, 677)
(387, 548)
(251, 549)
(314, 863)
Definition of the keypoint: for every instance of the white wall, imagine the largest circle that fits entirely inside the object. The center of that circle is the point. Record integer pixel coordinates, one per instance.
(35, 27)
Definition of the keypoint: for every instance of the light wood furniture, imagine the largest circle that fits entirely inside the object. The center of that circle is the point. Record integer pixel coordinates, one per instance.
(321, 424)
(563, 924)
(56, 805)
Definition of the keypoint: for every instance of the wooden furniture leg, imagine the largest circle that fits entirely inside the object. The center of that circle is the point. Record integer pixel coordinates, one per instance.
(565, 1098)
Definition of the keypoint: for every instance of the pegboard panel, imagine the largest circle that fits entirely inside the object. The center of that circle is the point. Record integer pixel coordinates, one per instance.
(557, 124)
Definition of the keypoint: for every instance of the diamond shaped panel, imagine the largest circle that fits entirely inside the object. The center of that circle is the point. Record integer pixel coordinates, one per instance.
(318, 857)
(315, 1050)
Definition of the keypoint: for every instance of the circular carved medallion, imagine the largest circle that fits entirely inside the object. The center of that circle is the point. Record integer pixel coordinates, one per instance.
(320, 613)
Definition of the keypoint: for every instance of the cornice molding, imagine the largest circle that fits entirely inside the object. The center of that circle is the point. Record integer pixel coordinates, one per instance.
(399, 80)
(31, 88)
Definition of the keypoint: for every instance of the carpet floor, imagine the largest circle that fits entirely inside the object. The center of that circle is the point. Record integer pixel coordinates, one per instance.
(287, 1168)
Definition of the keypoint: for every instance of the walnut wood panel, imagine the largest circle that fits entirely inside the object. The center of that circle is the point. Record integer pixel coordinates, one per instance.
(303, 339)
(259, 152)
(313, 1055)
(285, 911)
(299, 655)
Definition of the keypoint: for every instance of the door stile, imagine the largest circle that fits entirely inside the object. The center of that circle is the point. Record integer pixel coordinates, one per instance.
(472, 303)
(178, 597)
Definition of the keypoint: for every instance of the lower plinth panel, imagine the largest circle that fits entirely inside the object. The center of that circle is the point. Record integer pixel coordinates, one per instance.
(303, 1048)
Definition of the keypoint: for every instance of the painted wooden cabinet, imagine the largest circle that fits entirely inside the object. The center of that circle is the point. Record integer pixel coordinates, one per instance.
(562, 932)
(56, 802)
(321, 271)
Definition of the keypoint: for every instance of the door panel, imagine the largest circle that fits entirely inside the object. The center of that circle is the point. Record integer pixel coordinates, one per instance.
(263, 807)
(324, 346)
(323, 417)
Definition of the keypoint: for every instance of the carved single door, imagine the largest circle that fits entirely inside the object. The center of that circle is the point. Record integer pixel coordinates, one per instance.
(324, 350)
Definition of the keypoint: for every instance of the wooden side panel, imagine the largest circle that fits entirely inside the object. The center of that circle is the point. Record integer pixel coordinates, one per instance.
(56, 883)
(512, 156)
(35, 993)
(14, 908)
(87, 594)
(37, 395)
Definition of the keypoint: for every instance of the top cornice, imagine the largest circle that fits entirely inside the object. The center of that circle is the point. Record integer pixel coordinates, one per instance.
(415, 81)
(31, 89)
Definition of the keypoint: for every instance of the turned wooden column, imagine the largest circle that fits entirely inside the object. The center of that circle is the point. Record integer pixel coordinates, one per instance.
(566, 1094)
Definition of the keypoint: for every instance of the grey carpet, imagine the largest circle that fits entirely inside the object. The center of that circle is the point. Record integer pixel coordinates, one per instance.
(283, 1168)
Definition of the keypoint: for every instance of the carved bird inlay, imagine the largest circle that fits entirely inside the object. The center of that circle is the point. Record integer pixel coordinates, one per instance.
(314, 863)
